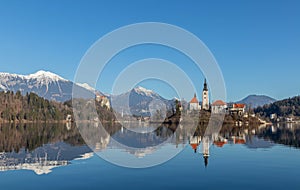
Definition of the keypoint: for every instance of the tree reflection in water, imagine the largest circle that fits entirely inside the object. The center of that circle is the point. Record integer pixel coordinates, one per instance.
(41, 147)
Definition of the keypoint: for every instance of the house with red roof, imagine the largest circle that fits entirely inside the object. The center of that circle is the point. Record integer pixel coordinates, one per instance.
(238, 109)
(194, 142)
(194, 103)
(239, 139)
(220, 144)
(218, 107)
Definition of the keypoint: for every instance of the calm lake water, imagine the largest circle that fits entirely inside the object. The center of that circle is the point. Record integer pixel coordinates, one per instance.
(56, 157)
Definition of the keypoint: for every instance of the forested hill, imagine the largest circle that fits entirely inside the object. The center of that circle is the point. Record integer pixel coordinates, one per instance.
(30, 107)
(17, 108)
(287, 107)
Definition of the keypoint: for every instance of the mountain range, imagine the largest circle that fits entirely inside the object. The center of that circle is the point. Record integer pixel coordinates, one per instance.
(141, 101)
(50, 86)
(43, 83)
(138, 101)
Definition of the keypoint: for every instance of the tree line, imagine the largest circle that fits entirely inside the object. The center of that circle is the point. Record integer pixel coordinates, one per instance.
(15, 107)
(30, 107)
(33, 135)
(283, 108)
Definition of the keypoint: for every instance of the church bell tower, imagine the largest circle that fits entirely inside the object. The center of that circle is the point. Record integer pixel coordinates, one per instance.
(205, 97)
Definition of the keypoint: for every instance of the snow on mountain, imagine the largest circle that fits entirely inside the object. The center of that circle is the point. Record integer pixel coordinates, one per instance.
(139, 100)
(44, 83)
(39, 75)
(54, 87)
(2, 87)
(143, 91)
(175, 98)
(86, 86)
(45, 76)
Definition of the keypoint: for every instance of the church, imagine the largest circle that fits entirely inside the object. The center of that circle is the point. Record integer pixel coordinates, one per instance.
(194, 103)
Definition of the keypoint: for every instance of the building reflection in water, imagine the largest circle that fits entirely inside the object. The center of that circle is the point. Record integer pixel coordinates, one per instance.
(252, 137)
(205, 149)
(42, 148)
(145, 144)
(194, 142)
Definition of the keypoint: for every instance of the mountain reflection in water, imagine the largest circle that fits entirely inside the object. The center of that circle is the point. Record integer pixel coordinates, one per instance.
(42, 147)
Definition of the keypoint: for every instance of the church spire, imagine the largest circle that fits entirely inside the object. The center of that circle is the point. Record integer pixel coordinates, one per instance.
(205, 86)
(205, 160)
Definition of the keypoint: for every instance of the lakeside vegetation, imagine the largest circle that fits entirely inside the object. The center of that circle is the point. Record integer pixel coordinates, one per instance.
(30, 107)
(32, 135)
(16, 108)
(283, 108)
(104, 114)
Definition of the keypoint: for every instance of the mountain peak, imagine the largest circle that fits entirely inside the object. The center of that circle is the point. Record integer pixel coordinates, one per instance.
(257, 100)
(44, 83)
(45, 75)
(142, 90)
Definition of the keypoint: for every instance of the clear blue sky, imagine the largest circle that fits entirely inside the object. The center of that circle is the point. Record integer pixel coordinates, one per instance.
(256, 43)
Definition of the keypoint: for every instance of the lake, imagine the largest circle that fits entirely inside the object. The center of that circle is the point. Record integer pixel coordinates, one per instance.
(54, 156)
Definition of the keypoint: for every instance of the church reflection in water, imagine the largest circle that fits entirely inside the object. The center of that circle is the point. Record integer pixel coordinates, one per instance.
(250, 137)
(41, 148)
(201, 144)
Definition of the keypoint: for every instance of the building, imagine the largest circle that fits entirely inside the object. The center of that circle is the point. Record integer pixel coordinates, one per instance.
(219, 140)
(205, 97)
(104, 101)
(218, 107)
(220, 144)
(194, 142)
(289, 119)
(238, 109)
(205, 149)
(194, 103)
(239, 139)
(273, 116)
(69, 118)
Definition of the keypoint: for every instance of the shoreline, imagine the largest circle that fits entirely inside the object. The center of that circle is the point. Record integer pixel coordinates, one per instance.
(51, 121)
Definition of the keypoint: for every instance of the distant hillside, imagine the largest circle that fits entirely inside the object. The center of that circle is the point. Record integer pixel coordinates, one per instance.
(30, 107)
(15, 107)
(254, 101)
(287, 107)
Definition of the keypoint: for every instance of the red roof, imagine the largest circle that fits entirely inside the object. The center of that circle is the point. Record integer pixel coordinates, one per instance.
(219, 103)
(238, 105)
(194, 146)
(239, 141)
(194, 100)
(219, 143)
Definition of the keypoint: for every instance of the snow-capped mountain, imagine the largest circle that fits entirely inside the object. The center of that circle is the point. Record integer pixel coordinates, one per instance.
(86, 86)
(44, 84)
(145, 92)
(140, 101)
